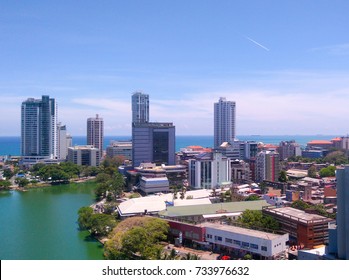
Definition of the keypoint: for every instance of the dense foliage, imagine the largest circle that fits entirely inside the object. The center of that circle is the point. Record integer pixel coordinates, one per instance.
(329, 171)
(256, 219)
(137, 238)
(98, 224)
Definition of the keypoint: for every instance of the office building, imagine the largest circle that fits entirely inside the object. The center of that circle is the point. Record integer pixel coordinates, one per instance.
(140, 108)
(288, 149)
(84, 155)
(153, 142)
(209, 171)
(39, 128)
(120, 148)
(95, 136)
(224, 121)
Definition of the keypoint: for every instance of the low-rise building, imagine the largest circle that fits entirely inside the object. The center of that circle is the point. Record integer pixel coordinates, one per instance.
(154, 185)
(120, 148)
(84, 155)
(305, 229)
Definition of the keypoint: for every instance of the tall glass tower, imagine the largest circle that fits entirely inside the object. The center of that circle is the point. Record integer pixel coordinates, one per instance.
(224, 121)
(140, 108)
(39, 127)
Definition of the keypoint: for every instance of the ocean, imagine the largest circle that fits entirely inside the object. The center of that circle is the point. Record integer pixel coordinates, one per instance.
(10, 145)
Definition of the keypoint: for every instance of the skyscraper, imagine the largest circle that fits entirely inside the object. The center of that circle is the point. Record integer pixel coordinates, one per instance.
(140, 107)
(95, 134)
(224, 121)
(39, 127)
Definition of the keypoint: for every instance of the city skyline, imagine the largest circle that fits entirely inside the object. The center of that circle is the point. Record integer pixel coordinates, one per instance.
(284, 64)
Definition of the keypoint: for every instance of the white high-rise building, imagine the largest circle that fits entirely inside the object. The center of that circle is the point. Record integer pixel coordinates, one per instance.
(95, 135)
(39, 128)
(62, 141)
(140, 108)
(224, 121)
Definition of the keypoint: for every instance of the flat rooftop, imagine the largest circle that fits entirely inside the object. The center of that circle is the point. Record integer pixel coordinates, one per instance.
(297, 214)
(244, 231)
(216, 208)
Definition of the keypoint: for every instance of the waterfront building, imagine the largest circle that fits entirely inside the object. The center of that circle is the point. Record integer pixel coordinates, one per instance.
(209, 171)
(315, 144)
(95, 133)
(39, 128)
(267, 166)
(120, 148)
(84, 155)
(62, 142)
(238, 150)
(140, 108)
(224, 121)
(153, 142)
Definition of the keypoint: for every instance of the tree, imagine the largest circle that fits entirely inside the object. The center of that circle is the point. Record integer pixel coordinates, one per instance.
(22, 182)
(312, 172)
(5, 185)
(329, 171)
(84, 219)
(336, 157)
(8, 174)
(255, 218)
(137, 238)
(301, 205)
(252, 197)
(283, 176)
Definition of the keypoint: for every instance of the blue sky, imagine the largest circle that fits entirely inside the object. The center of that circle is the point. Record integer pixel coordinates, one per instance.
(285, 63)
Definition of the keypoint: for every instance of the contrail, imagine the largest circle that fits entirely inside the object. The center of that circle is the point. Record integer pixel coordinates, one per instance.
(258, 44)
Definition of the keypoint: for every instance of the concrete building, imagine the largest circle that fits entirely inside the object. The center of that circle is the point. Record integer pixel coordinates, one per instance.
(153, 142)
(154, 185)
(62, 142)
(267, 166)
(209, 171)
(241, 150)
(224, 121)
(289, 149)
(95, 133)
(120, 148)
(240, 172)
(84, 155)
(39, 128)
(241, 241)
(305, 229)
(140, 108)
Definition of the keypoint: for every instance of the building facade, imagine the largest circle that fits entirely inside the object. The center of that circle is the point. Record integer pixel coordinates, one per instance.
(95, 132)
(209, 171)
(84, 155)
(289, 149)
(39, 128)
(224, 121)
(120, 148)
(267, 166)
(153, 142)
(342, 176)
(140, 108)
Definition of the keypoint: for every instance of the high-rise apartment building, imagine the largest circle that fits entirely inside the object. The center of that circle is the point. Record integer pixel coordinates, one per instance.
(39, 127)
(224, 121)
(62, 141)
(267, 166)
(95, 136)
(140, 108)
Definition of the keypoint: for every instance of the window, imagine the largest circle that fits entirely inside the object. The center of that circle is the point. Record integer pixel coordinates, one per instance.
(245, 244)
(209, 235)
(237, 242)
(254, 246)
(264, 248)
(218, 238)
(228, 240)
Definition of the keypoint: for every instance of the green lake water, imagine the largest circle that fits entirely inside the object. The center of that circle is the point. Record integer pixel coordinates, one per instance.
(41, 224)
